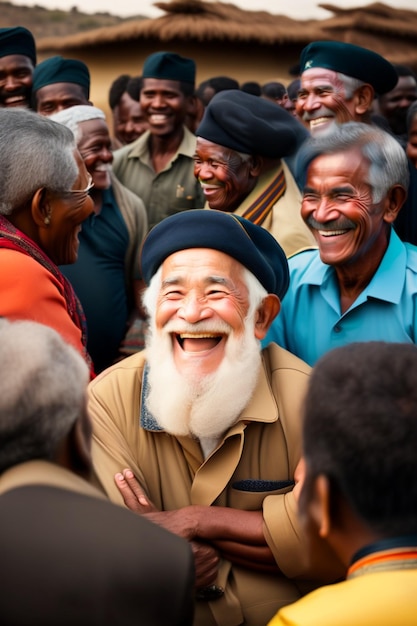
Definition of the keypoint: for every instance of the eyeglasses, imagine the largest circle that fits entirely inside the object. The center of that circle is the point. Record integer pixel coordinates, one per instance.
(80, 192)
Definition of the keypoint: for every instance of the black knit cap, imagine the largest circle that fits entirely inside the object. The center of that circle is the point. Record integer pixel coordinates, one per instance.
(169, 66)
(249, 124)
(17, 40)
(59, 70)
(253, 246)
(355, 61)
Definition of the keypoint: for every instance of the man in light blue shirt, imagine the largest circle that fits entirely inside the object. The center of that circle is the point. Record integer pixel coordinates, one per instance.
(361, 283)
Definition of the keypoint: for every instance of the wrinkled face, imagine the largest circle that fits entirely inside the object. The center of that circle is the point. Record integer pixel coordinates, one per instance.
(15, 80)
(322, 101)
(395, 104)
(95, 148)
(66, 213)
(53, 98)
(338, 208)
(412, 142)
(163, 105)
(225, 177)
(129, 120)
(201, 287)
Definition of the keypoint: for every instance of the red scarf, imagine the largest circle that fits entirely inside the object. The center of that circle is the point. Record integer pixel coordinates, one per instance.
(14, 239)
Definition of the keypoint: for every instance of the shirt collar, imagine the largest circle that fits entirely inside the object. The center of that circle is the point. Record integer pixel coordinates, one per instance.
(387, 282)
(139, 148)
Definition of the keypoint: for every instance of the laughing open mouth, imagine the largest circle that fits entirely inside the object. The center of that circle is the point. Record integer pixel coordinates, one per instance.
(198, 342)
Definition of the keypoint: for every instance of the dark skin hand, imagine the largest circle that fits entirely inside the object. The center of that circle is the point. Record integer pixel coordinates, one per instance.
(237, 535)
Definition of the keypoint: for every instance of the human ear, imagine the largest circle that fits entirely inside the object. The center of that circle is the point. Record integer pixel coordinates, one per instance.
(256, 164)
(320, 506)
(41, 208)
(266, 314)
(395, 199)
(364, 97)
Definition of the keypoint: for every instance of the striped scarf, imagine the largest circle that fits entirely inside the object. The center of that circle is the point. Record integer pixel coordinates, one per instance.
(260, 208)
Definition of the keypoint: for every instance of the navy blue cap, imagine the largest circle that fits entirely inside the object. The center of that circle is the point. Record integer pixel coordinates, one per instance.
(169, 66)
(246, 123)
(17, 40)
(253, 246)
(355, 61)
(59, 70)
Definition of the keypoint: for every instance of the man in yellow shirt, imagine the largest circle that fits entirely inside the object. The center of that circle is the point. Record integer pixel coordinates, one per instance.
(359, 487)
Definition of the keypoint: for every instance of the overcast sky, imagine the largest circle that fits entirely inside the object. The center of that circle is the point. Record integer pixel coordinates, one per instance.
(297, 9)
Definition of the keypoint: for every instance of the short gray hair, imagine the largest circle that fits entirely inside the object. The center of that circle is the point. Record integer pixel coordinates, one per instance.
(73, 116)
(35, 153)
(43, 386)
(388, 162)
(350, 84)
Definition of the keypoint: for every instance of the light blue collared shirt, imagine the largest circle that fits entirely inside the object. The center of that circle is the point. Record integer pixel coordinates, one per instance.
(311, 323)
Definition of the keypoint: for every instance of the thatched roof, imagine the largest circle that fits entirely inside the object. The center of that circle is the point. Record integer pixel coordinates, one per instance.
(391, 32)
(374, 18)
(196, 20)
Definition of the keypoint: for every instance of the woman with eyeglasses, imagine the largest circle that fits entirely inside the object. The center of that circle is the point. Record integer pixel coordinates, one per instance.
(44, 199)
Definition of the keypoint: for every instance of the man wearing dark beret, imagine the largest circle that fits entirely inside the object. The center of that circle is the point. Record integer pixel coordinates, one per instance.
(58, 84)
(200, 432)
(338, 84)
(242, 141)
(158, 167)
(17, 60)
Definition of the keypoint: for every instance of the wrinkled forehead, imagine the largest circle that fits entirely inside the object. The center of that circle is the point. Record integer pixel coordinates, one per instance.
(320, 77)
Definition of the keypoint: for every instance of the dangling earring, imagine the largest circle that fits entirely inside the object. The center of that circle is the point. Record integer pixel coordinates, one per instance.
(47, 220)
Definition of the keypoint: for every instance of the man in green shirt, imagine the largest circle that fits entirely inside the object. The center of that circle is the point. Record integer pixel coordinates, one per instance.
(159, 166)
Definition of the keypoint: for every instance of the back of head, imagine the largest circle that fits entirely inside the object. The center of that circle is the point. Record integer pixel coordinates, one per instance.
(17, 40)
(350, 60)
(59, 70)
(251, 87)
(360, 430)
(388, 163)
(35, 153)
(42, 391)
(273, 90)
(117, 89)
(134, 87)
(221, 83)
(249, 124)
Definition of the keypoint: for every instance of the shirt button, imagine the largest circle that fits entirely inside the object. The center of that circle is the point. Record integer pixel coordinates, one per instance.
(337, 329)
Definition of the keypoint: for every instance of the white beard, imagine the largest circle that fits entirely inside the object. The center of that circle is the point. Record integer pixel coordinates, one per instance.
(202, 407)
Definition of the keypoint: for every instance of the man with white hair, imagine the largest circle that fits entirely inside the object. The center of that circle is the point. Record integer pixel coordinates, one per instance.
(68, 556)
(106, 276)
(207, 423)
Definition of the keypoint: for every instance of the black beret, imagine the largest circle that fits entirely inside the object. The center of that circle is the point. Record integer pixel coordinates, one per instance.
(354, 61)
(59, 70)
(169, 66)
(17, 40)
(246, 123)
(251, 245)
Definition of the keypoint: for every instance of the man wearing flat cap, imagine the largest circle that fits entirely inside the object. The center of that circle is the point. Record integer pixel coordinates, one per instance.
(241, 143)
(201, 431)
(338, 84)
(17, 61)
(59, 84)
(158, 167)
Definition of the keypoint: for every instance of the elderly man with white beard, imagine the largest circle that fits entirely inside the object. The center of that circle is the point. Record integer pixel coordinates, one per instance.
(201, 431)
